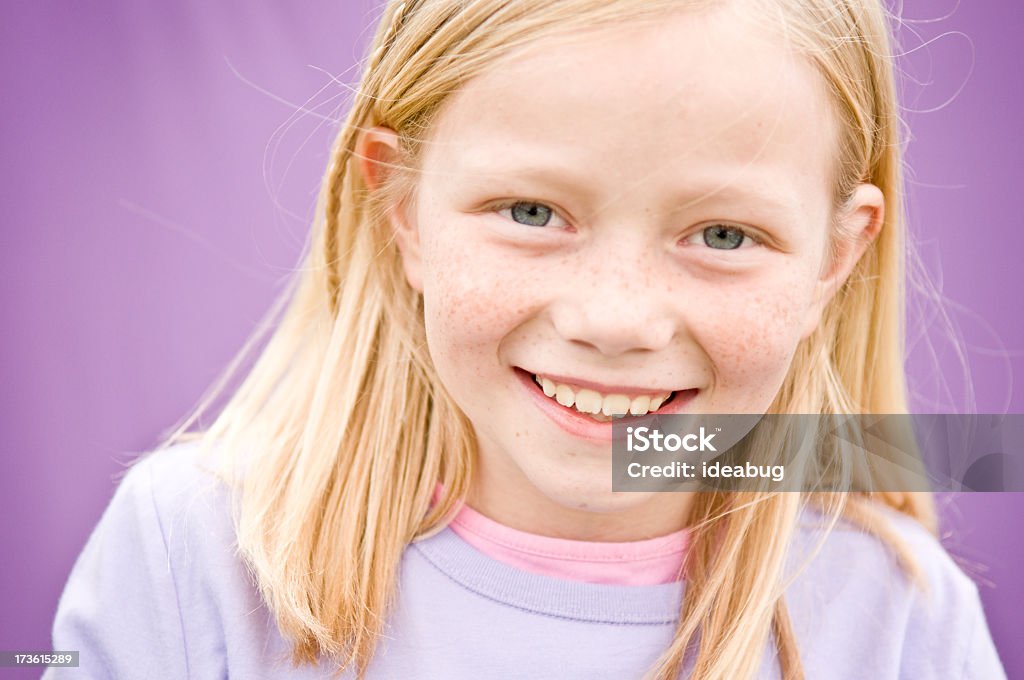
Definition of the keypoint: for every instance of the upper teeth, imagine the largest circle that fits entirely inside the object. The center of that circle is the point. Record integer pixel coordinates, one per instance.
(590, 401)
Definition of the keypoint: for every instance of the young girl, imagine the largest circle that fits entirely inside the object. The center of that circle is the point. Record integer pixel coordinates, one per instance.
(538, 215)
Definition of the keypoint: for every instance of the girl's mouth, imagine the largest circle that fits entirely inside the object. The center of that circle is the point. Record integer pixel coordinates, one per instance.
(572, 403)
(601, 407)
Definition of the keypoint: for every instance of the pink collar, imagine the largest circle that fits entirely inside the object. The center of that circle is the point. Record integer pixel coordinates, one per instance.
(634, 563)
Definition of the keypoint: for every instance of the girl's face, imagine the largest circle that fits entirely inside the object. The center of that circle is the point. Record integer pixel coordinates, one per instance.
(635, 212)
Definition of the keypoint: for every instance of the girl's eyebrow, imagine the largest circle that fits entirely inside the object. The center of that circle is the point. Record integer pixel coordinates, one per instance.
(761, 193)
(557, 176)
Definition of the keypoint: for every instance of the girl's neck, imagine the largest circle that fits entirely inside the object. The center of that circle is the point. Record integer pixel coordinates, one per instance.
(530, 511)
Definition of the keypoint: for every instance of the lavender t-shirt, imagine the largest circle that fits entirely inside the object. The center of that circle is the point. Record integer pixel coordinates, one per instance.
(158, 592)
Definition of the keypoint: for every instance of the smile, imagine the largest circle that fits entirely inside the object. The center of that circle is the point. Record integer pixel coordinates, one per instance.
(601, 407)
(563, 400)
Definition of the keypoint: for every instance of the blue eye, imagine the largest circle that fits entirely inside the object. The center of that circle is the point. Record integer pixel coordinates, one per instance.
(528, 213)
(724, 237)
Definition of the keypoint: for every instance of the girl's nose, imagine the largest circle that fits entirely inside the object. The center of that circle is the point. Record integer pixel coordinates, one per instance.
(614, 311)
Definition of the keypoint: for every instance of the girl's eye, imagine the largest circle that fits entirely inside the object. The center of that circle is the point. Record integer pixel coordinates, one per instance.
(527, 213)
(726, 237)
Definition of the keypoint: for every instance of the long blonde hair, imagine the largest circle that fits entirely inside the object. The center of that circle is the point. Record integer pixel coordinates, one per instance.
(335, 440)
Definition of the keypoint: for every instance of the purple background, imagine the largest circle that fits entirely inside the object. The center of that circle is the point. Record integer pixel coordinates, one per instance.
(159, 169)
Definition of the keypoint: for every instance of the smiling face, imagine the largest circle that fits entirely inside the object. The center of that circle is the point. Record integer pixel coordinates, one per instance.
(626, 215)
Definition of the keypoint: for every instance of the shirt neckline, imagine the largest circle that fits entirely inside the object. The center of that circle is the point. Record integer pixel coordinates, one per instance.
(645, 562)
(543, 594)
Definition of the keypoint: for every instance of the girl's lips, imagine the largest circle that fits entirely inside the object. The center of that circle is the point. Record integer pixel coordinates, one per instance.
(579, 425)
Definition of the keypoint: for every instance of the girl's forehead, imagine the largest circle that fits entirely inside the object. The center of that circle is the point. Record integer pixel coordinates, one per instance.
(706, 94)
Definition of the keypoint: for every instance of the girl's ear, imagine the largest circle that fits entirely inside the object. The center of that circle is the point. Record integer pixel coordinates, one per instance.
(379, 155)
(860, 221)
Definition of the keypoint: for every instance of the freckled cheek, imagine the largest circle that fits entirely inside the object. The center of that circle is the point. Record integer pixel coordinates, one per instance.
(754, 336)
(472, 300)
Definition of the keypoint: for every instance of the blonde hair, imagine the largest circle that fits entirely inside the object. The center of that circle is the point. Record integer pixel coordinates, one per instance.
(334, 442)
